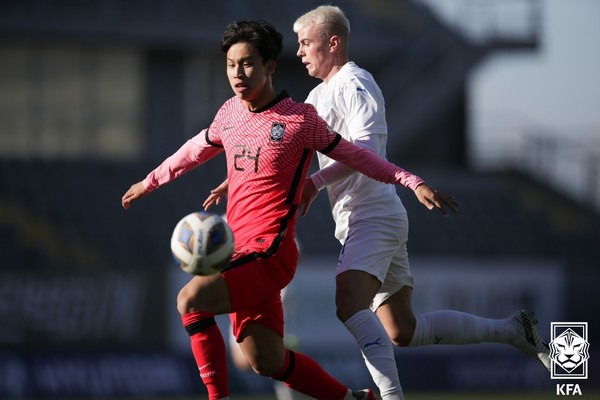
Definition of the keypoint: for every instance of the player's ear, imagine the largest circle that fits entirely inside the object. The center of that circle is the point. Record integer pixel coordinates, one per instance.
(335, 43)
(270, 66)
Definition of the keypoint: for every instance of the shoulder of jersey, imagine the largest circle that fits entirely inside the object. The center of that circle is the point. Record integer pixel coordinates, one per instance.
(229, 104)
(355, 85)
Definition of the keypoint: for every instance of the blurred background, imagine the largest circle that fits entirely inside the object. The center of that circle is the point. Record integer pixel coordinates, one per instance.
(494, 101)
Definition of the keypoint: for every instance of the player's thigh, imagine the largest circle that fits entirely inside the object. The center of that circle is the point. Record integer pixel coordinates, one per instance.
(370, 246)
(354, 292)
(398, 274)
(397, 317)
(255, 287)
(263, 348)
(204, 293)
(253, 281)
(268, 313)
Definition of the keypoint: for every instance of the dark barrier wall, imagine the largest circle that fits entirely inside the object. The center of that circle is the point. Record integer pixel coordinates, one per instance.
(81, 311)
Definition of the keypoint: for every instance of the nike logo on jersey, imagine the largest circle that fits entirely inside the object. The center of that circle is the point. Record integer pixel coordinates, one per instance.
(375, 343)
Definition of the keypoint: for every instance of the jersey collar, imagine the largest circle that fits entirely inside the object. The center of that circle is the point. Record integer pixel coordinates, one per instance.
(281, 96)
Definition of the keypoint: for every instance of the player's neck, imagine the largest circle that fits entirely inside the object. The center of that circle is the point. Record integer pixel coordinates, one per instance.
(264, 98)
(335, 68)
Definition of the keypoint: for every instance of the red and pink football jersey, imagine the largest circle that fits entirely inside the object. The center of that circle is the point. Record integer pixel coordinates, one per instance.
(268, 155)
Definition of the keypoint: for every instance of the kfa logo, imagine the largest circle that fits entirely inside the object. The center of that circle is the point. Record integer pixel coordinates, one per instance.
(569, 350)
(277, 131)
(568, 389)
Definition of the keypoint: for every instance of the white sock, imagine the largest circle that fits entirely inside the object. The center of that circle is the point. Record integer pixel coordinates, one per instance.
(455, 327)
(377, 350)
(282, 392)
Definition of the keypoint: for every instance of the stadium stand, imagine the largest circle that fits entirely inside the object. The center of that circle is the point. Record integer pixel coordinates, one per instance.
(60, 212)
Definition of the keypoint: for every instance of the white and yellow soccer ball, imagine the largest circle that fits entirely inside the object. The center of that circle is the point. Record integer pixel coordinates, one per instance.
(202, 243)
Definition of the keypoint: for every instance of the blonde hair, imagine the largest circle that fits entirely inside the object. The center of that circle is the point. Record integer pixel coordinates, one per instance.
(332, 21)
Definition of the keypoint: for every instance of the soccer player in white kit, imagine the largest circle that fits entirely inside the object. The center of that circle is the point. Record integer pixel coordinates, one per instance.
(373, 279)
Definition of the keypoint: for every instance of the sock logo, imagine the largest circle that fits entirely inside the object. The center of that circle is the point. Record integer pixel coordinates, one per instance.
(569, 350)
(207, 374)
(375, 343)
(204, 366)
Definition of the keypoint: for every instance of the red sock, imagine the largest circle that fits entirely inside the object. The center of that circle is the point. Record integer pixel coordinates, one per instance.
(209, 351)
(304, 375)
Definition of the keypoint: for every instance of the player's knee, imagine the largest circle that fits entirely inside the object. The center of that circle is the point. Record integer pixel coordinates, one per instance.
(402, 335)
(345, 311)
(184, 302)
(401, 338)
(264, 366)
(347, 306)
(341, 315)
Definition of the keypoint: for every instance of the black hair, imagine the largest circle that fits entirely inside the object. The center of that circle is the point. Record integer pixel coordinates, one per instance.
(261, 34)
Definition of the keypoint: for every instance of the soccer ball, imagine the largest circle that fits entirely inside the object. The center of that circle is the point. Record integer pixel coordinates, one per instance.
(202, 243)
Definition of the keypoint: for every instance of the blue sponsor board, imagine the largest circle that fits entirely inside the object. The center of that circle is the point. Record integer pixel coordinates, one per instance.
(58, 375)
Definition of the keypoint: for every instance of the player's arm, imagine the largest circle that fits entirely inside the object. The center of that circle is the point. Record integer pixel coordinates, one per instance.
(377, 168)
(338, 171)
(365, 122)
(329, 175)
(193, 153)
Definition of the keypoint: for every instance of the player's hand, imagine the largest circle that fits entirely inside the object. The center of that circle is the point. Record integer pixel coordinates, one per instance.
(135, 192)
(309, 193)
(432, 198)
(216, 195)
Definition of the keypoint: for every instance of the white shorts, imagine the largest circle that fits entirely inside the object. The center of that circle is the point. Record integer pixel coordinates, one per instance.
(378, 247)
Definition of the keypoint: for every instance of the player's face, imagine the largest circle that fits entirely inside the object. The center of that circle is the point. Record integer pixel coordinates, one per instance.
(248, 76)
(315, 52)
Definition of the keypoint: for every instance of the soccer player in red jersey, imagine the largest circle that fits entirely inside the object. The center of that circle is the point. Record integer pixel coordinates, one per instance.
(268, 140)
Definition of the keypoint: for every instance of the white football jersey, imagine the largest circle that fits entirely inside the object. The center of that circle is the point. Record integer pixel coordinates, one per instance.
(353, 106)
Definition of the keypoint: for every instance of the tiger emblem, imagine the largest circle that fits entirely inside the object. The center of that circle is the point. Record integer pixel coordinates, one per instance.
(569, 350)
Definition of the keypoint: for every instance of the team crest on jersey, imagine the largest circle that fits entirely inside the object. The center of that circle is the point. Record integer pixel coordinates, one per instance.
(277, 131)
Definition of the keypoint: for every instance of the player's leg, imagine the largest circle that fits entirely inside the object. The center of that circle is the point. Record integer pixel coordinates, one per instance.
(455, 327)
(290, 341)
(260, 331)
(259, 326)
(362, 266)
(244, 286)
(396, 315)
(438, 327)
(237, 355)
(282, 392)
(198, 302)
(393, 304)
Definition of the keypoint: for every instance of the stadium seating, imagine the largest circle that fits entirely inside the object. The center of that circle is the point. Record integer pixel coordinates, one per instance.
(59, 213)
